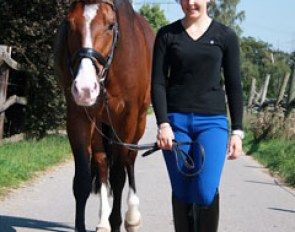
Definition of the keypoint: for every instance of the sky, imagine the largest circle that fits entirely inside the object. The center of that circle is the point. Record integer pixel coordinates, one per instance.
(272, 21)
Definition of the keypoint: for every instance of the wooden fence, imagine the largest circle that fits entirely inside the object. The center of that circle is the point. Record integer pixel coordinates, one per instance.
(273, 116)
(285, 99)
(7, 63)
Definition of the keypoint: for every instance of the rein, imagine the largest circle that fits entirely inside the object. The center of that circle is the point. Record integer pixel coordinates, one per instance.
(153, 147)
(96, 57)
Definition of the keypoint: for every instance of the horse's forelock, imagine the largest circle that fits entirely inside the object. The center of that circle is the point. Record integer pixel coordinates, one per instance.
(99, 1)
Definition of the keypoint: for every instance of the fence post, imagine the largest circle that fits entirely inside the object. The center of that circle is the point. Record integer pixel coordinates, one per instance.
(4, 76)
(291, 94)
(265, 88)
(258, 96)
(252, 93)
(283, 89)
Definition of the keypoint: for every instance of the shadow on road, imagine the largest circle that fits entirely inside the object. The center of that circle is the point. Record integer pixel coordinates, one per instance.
(260, 182)
(283, 210)
(10, 224)
(252, 166)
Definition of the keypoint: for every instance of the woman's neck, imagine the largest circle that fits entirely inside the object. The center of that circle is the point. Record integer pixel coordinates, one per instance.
(196, 28)
(201, 22)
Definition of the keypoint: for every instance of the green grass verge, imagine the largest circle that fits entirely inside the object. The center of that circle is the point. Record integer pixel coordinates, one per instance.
(20, 161)
(277, 154)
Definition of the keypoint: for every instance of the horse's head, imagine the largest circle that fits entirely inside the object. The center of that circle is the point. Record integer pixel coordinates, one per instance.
(91, 41)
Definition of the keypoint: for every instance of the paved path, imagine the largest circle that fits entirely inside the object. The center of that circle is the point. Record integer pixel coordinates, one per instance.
(251, 200)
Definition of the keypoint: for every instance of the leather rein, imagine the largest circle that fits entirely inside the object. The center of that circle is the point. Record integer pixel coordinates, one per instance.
(96, 57)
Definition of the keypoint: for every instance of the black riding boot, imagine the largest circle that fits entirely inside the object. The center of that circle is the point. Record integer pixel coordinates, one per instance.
(193, 218)
(181, 211)
(208, 217)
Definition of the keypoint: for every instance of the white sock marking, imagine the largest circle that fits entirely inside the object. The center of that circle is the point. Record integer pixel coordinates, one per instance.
(133, 215)
(105, 209)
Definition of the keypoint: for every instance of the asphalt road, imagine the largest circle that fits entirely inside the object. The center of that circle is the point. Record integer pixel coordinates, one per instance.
(251, 200)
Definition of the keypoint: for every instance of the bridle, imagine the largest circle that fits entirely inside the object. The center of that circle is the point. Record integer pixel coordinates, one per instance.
(95, 57)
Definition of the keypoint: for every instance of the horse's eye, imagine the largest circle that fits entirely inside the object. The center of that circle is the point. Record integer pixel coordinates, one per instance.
(111, 26)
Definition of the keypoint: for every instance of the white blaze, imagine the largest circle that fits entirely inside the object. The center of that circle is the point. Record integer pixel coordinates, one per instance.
(89, 14)
(85, 88)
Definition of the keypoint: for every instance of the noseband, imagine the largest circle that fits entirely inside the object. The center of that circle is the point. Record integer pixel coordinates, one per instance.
(95, 57)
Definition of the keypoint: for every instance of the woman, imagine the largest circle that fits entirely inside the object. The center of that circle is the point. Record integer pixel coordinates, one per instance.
(189, 104)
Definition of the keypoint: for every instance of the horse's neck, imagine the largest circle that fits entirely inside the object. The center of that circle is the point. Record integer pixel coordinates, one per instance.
(124, 9)
(125, 17)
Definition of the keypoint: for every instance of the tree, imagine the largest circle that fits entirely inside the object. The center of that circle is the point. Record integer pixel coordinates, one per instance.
(154, 15)
(29, 27)
(259, 59)
(225, 11)
(252, 62)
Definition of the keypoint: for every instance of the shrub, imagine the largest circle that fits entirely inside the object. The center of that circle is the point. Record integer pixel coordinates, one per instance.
(29, 26)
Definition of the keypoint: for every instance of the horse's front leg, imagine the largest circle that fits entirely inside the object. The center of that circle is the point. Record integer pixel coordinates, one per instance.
(82, 177)
(81, 189)
(133, 220)
(117, 179)
(78, 129)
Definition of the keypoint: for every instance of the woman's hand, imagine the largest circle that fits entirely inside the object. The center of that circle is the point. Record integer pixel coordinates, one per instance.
(165, 136)
(235, 147)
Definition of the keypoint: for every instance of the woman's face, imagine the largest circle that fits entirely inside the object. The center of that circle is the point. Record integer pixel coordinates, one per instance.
(194, 8)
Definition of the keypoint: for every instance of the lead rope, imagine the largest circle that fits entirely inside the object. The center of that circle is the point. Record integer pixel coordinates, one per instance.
(153, 147)
(186, 159)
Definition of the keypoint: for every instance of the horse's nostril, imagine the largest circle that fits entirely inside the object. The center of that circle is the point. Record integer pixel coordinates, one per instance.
(75, 88)
(95, 86)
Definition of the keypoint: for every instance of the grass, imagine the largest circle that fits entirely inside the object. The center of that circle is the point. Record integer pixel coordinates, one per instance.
(20, 161)
(276, 154)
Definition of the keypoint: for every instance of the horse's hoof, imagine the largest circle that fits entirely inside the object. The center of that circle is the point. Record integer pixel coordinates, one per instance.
(102, 229)
(116, 230)
(80, 230)
(133, 227)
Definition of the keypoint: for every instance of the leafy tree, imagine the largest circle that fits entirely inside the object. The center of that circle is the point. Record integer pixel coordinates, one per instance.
(29, 27)
(252, 61)
(259, 59)
(154, 15)
(225, 11)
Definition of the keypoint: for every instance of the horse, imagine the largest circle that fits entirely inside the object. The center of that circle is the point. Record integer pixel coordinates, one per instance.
(102, 56)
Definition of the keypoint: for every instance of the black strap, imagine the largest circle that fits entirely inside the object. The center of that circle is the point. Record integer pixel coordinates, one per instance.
(89, 53)
(187, 160)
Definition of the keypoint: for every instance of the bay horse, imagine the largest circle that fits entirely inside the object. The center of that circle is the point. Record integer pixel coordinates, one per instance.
(102, 55)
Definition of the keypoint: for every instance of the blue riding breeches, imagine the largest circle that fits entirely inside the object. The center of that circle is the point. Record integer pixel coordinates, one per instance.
(211, 131)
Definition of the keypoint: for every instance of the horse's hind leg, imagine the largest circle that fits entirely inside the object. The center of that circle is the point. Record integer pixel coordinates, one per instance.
(133, 220)
(101, 169)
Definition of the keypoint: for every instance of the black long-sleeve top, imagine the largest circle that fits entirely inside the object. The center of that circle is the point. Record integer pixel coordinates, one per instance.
(186, 74)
